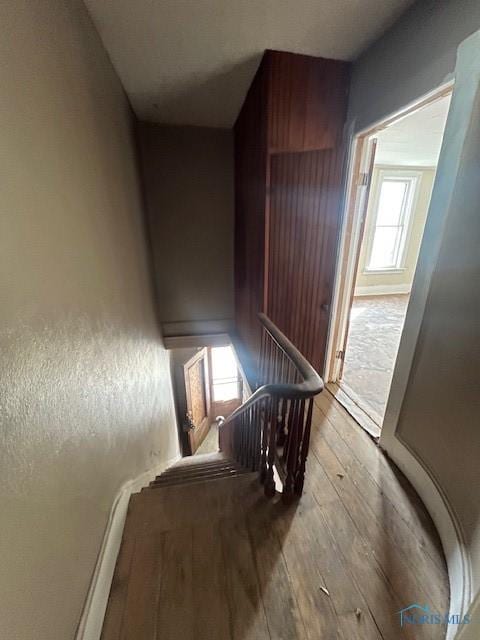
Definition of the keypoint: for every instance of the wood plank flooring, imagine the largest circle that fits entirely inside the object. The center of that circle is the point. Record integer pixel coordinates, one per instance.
(217, 560)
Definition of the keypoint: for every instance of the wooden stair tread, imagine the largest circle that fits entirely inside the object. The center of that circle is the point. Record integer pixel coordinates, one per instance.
(200, 458)
(167, 506)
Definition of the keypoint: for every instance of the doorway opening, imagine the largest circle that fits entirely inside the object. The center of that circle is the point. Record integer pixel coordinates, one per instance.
(208, 384)
(392, 174)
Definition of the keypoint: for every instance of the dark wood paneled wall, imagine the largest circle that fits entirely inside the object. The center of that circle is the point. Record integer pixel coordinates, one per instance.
(289, 157)
(305, 95)
(251, 159)
(304, 195)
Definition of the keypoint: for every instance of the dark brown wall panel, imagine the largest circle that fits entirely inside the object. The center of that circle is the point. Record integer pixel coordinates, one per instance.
(250, 197)
(307, 96)
(304, 216)
(288, 154)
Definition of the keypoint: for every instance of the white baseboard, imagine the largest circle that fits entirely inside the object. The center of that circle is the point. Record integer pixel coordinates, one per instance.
(383, 290)
(446, 522)
(91, 621)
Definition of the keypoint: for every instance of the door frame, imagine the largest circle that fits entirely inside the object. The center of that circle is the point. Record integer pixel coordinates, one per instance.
(358, 191)
(351, 232)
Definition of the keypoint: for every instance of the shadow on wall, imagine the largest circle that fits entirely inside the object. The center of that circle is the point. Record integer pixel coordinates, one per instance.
(232, 84)
(188, 178)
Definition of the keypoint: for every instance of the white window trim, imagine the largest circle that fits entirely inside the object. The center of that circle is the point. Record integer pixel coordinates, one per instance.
(414, 178)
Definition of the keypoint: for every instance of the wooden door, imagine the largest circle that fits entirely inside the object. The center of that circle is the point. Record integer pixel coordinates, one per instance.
(197, 388)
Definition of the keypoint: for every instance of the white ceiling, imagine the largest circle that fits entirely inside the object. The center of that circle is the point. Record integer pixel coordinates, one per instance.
(191, 61)
(416, 139)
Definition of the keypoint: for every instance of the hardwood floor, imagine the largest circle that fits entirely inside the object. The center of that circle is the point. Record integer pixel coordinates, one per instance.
(217, 560)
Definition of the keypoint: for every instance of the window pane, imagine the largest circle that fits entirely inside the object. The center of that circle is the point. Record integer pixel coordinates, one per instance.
(384, 248)
(224, 374)
(392, 194)
(223, 363)
(225, 391)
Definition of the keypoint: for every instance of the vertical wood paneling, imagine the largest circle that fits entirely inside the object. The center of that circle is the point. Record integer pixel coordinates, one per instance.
(307, 100)
(288, 180)
(304, 222)
(250, 199)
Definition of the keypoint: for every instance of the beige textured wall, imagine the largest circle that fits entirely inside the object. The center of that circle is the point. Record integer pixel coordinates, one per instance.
(188, 178)
(85, 393)
(440, 416)
(405, 277)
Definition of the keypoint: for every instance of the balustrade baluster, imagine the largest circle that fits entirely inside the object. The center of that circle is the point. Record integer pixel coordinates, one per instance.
(274, 417)
(286, 457)
(289, 430)
(255, 439)
(242, 440)
(300, 477)
(269, 360)
(264, 408)
(263, 358)
(249, 429)
(276, 365)
(272, 445)
(281, 431)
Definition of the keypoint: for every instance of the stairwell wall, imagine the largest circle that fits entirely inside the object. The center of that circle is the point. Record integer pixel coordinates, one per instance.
(188, 181)
(85, 392)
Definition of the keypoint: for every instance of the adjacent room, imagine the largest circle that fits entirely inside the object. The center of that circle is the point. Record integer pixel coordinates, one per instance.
(404, 166)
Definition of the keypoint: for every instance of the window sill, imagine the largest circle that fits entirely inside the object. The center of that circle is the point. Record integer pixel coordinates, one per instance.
(377, 272)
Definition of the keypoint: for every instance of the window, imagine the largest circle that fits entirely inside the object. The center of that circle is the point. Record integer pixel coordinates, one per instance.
(393, 206)
(225, 380)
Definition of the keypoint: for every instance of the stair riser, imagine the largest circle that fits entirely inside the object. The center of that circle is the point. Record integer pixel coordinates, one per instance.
(158, 487)
(202, 478)
(196, 465)
(196, 470)
(160, 480)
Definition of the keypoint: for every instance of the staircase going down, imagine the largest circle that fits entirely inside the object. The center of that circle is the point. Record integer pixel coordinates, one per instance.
(205, 556)
(269, 434)
(198, 468)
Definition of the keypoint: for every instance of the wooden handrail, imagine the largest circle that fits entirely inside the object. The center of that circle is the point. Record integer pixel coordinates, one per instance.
(272, 427)
(311, 385)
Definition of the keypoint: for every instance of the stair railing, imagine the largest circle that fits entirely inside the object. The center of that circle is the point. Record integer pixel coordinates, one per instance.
(271, 429)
